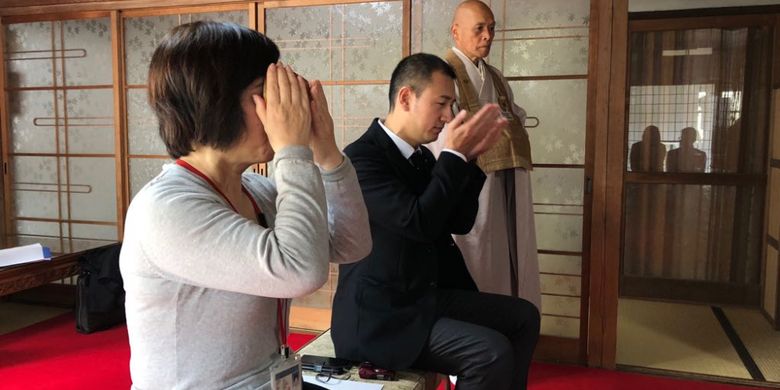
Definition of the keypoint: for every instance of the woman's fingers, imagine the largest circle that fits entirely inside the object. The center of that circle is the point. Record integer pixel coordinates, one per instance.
(302, 92)
(271, 85)
(283, 81)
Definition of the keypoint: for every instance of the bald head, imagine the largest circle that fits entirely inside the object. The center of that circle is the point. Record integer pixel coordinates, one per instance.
(473, 29)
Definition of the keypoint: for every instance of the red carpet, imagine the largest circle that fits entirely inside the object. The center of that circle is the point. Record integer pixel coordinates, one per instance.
(52, 355)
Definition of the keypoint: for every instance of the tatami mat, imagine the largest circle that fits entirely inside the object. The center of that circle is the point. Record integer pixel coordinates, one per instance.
(677, 337)
(759, 338)
(15, 316)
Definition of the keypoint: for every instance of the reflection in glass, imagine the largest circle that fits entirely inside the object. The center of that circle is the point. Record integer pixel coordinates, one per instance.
(686, 158)
(697, 79)
(690, 232)
(648, 154)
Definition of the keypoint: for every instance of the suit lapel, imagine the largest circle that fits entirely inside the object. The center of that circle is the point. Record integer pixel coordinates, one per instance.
(417, 179)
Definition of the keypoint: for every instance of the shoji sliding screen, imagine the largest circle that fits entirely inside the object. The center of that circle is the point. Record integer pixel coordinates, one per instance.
(353, 49)
(59, 135)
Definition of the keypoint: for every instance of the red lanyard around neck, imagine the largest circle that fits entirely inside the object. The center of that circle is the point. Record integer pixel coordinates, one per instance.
(203, 176)
(280, 303)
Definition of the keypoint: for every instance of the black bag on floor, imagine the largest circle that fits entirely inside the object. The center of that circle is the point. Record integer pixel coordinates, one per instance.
(101, 296)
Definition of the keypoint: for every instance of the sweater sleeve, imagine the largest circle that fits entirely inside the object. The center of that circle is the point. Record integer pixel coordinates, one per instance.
(189, 235)
(350, 234)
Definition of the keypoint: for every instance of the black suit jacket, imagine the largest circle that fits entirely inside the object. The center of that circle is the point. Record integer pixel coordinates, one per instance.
(384, 305)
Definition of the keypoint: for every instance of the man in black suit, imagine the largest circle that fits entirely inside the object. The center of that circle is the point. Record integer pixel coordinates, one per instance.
(411, 302)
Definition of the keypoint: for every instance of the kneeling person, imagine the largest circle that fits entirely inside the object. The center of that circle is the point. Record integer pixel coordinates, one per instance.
(412, 302)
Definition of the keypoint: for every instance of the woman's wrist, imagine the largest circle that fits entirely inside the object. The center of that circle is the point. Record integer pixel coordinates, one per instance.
(328, 159)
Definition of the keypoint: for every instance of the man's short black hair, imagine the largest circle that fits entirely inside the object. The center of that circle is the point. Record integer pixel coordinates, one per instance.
(196, 78)
(416, 72)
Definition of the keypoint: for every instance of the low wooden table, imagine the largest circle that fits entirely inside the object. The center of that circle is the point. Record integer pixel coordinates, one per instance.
(21, 277)
(407, 379)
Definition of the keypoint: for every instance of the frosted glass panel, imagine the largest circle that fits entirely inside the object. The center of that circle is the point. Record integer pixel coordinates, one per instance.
(237, 17)
(560, 326)
(561, 285)
(554, 187)
(353, 109)
(541, 37)
(95, 232)
(90, 122)
(142, 125)
(559, 264)
(553, 54)
(558, 139)
(142, 170)
(97, 176)
(562, 306)
(434, 26)
(92, 198)
(142, 35)
(141, 38)
(35, 187)
(31, 117)
(87, 51)
(38, 121)
(29, 53)
(559, 232)
(72, 52)
(339, 42)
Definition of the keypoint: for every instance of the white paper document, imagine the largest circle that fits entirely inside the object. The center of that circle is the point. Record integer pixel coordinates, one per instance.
(341, 384)
(24, 254)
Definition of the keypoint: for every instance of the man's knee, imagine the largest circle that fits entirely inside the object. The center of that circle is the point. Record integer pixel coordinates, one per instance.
(534, 318)
(498, 354)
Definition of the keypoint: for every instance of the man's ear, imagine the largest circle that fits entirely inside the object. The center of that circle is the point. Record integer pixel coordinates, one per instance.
(454, 32)
(405, 98)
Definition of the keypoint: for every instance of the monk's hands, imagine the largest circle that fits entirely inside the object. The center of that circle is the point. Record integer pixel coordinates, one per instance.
(474, 136)
(285, 111)
(323, 140)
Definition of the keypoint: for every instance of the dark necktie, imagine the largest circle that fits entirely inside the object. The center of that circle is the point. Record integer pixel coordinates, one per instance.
(417, 160)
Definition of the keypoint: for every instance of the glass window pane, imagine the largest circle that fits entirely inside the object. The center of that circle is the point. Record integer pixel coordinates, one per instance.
(686, 231)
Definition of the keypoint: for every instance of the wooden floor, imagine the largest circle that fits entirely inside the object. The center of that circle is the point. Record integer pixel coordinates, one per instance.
(309, 319)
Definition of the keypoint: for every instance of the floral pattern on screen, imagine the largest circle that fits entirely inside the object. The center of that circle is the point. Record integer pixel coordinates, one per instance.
(353, 48)
(66, 175)
(339, 42)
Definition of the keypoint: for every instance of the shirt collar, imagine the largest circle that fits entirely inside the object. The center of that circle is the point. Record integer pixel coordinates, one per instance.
(479, 67)
(403, 146)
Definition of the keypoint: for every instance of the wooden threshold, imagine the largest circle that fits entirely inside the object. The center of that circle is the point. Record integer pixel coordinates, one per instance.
(694, 291)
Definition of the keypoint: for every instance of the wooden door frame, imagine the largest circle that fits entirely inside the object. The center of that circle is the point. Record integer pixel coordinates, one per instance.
(605, 158)
(606, 109)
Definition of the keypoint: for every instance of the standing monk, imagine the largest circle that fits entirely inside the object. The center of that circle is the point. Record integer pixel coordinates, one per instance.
(500, 251)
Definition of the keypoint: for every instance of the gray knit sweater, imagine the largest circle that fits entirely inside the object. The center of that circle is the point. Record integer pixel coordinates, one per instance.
(202, 280)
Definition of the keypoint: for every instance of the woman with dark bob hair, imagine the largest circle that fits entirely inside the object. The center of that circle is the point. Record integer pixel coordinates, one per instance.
(212, 254)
